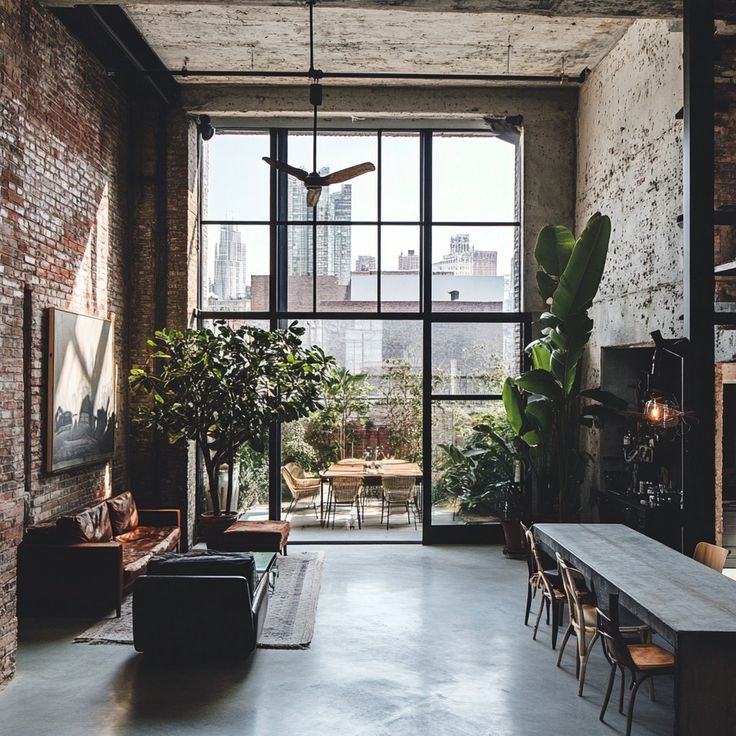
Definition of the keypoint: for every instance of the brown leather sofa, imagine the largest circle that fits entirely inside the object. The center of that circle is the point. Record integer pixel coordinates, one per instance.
(83, 562)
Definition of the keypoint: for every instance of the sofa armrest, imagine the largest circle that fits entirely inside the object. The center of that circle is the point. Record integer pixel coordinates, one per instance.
(179, 614)
(159, 517)
(69, 579)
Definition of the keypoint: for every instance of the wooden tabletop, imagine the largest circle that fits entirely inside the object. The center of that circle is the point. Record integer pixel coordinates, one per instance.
(389, 468)
(655, 582)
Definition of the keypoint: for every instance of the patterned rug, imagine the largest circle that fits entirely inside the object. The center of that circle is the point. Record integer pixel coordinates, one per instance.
(292, 609)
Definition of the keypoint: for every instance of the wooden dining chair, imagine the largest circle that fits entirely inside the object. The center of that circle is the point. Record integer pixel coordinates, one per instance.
(532, 583)
(551, 597)
(643, 661)
(711, 555)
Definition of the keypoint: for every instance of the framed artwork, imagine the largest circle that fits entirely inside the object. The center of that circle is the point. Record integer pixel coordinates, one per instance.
(81, 395)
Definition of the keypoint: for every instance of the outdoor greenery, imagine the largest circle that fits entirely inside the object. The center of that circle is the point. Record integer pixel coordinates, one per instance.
(543, 404)
(223, 388)
(401, 401)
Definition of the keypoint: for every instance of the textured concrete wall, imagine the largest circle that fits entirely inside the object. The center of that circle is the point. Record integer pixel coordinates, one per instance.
(548, 140)
(630, 167)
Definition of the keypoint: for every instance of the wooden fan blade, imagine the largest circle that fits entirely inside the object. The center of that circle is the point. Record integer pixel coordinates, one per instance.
(281, 166)
(313, 196)
(350, 173)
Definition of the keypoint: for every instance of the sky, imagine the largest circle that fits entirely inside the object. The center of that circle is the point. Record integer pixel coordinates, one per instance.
(473, 180)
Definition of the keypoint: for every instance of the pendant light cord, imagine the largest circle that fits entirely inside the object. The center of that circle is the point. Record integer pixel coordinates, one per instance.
(315, 80)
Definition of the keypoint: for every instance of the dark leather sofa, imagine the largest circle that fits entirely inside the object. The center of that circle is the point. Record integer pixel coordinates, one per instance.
(202, 602)
(83, 562)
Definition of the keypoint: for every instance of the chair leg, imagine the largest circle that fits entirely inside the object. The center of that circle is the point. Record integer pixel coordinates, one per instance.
(623, 687)
(528, 603)
(556, 616)
(357, 506)
(547, 606)
(568, 631)
(584, 662)
(609, 690)
(630, 713)
(539, 617)
(291, 507)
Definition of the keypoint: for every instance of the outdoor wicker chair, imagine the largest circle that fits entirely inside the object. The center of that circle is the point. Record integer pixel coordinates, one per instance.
(344, 491)
(301, 486)
(398, 490)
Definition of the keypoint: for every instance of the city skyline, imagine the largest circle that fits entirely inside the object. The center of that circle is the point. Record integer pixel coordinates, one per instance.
(232, 193)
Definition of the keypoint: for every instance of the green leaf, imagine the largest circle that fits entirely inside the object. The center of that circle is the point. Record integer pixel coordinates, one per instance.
(542, 413)
(540, 382)
(540, 354)
(582, 276)
(513, 403)
(546, 285)
(554, 246)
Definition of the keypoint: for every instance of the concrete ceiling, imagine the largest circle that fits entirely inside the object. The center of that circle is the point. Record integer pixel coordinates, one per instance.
(275, 37)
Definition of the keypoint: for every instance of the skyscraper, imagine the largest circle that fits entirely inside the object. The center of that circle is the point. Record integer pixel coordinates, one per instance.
(333, 241)
(464, 260)
(229, 277)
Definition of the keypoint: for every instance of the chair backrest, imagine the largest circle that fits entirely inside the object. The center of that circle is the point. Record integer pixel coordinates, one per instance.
(345, 488)
(711, 555)
(527, 548)
(573, 581)
(536, 556)
(295, 470)
(398, 487)
(613, 642)
(287, 475)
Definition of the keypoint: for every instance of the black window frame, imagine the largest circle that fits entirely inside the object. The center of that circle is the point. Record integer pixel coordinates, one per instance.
(278, 314)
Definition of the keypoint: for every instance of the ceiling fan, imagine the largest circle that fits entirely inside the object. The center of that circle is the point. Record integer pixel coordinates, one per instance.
(313, 181)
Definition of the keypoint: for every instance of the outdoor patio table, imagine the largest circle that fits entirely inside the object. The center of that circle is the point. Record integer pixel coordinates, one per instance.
(368, 475)
(689, 605)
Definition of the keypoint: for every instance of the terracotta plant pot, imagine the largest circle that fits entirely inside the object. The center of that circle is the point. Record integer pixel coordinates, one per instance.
(211, 526)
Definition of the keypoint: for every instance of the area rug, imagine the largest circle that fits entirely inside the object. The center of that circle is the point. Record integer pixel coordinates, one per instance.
(292, 609)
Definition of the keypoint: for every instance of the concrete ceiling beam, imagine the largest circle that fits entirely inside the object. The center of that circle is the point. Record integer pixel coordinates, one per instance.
(569, 8)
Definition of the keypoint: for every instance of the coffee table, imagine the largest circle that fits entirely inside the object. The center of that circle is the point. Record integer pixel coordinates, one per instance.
(266, 566)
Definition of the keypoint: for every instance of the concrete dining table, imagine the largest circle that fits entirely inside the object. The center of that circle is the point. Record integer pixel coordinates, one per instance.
(688, 604)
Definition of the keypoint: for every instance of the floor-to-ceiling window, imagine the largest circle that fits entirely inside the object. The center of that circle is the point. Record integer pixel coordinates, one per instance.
(408, 276)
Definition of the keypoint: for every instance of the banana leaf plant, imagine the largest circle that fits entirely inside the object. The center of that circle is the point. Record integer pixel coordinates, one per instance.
(543, 404)
(224, 388)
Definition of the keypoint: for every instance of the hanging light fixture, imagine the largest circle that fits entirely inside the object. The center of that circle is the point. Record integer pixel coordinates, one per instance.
(662, 413)
(313, 181)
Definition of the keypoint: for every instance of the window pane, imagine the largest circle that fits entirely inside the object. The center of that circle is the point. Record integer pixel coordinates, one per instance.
(400, 177)
(346, 268)
(355, 199)
(474, 178)
(465, 493)
(400, 268)
(237, 181)
(472, 269)
(235, 272)
(300, 297)
(473, 358)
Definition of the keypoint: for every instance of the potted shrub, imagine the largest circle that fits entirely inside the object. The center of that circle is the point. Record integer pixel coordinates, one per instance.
(224, 388)
(543, 404)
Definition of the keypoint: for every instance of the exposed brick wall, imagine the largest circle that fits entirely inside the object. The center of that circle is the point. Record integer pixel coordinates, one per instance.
(63, 137)
(162, 475)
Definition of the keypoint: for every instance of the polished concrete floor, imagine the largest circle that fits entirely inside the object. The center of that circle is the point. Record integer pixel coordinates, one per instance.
(409, 640)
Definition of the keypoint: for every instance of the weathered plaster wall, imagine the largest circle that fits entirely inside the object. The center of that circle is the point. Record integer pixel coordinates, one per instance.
(630, 167)
(548, 140)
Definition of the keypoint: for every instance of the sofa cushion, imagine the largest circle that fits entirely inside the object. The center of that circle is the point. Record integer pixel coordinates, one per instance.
(207, 563)
(123, 513)
(134, 564)
(89, 525)
(152, 540)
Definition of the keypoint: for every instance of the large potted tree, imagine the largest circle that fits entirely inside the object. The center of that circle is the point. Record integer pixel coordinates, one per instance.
(223, 388)
(543, 405)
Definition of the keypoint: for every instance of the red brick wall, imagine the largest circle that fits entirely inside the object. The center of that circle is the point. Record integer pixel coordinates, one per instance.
(63, 137)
